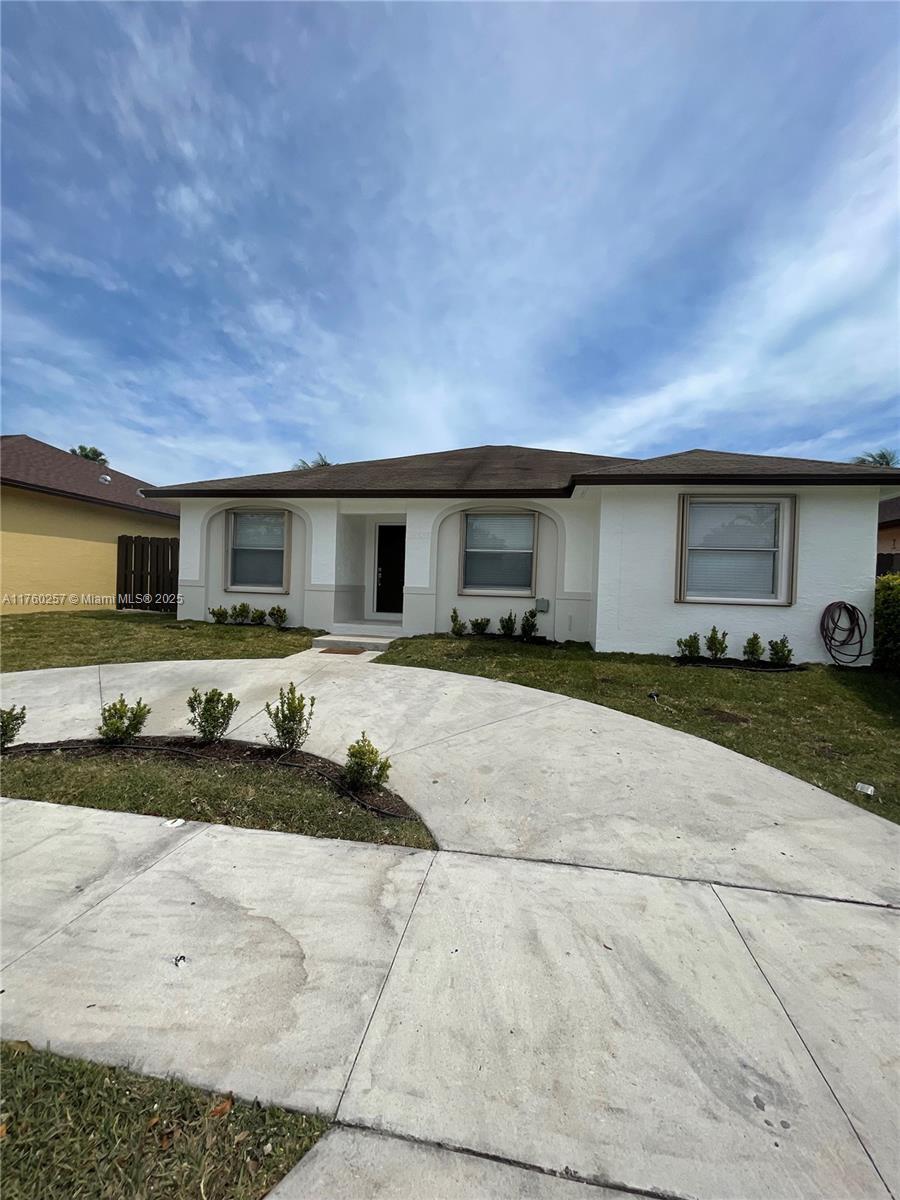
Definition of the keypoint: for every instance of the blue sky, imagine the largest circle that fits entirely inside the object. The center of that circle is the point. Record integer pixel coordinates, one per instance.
(235, 234)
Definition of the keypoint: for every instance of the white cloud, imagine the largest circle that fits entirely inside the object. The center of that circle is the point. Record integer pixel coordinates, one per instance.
(811, 328)
(390, 235)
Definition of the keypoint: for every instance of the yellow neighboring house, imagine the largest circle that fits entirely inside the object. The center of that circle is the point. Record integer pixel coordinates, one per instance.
(60, 519)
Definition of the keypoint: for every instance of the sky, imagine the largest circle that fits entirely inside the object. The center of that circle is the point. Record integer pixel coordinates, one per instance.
(238, 234)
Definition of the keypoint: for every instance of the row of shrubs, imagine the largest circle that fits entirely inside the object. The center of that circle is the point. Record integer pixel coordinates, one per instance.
(507, 625)
(780, 652)
(211, 713)
(243, 614)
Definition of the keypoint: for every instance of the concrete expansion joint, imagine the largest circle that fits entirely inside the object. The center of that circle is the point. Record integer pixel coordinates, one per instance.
(484, 725)
(384, 983)
(738, 887)
(801, 1039)
(102, 899)
(572, 1176)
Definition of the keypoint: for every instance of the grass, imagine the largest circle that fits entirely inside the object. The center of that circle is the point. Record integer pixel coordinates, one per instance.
(59, 639)
(222, 792)
(830, 726)
(76, 1130)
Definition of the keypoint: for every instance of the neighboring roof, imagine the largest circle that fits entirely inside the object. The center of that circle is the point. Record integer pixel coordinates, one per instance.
(27, 463)
(889, 511)
(521, 471)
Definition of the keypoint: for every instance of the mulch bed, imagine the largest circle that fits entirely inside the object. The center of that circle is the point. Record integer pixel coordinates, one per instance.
(381, 800)
(735, 664)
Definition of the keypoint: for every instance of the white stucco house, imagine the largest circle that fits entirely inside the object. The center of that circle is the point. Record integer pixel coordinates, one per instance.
(627, 554)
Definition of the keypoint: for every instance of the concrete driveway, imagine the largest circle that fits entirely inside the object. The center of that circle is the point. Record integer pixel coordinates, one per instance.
(479, 1027)
(713, 1013)
(506, 770)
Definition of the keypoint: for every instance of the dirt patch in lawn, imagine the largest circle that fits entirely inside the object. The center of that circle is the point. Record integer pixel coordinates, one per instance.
(727, 718)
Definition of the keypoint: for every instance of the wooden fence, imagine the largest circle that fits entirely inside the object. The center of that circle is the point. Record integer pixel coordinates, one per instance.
(147, 573)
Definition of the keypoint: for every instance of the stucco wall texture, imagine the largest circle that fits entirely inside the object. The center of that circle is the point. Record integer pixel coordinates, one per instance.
(50, 545)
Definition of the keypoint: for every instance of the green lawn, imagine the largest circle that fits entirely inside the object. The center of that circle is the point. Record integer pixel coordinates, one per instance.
(833, 727)
(58, 639)
(222, 792)
(76, 1130)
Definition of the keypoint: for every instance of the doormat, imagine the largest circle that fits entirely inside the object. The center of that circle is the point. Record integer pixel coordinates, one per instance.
(342, 650)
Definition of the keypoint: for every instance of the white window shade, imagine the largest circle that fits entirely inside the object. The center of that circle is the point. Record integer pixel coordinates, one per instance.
(733, 526)
(737, 550)
(498, 552)
(744, 575)
(498, 532)
(259, 531)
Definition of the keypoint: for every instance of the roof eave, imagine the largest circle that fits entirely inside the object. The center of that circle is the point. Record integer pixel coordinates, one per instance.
(756, 479)
(360, 493)
(48, 491)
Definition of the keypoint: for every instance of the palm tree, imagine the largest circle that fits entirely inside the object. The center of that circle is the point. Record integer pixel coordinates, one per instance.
(319, 461)
(879, 458)
(92, 453)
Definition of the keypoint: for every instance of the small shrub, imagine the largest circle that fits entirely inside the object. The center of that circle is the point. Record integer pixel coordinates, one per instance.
(753, 649)
(529, 625)
(219, 615)
(211, 713)
(291, 719)
(240, 613)
(121, 722)
(716, 643)
(365, 767)
(780, 652)
(11, 721)
(887, 622)
(689, 647)
(458, 627)
(278, 616)
(480, 624)
(257, 616)
(508, 624)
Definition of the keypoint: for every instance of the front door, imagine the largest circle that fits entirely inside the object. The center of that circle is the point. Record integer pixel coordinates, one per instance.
(390, 562)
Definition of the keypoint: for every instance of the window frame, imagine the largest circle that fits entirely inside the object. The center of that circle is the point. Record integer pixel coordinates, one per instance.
(525, 592)
(785, 550)
(285, 553)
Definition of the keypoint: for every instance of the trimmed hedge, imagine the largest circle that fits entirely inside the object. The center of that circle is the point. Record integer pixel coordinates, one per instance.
(887, 622)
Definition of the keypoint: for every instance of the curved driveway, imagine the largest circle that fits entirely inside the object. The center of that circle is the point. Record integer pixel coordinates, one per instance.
(671, 1024)
(500, 769)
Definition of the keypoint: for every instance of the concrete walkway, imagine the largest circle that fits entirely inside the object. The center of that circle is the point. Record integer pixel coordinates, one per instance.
(500, 769)
(698, 996)
(479, 1027)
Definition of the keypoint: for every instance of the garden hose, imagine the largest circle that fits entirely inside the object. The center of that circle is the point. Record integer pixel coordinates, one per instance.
(843, 628)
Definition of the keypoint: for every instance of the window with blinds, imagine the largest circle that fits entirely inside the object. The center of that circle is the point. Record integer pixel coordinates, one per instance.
(736, 550)
(256, 553)
(498, 552)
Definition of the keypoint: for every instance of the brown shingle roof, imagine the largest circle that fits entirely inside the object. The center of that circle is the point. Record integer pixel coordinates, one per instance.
(475, 471)
(25, 462)
(699, 466)
(889, 511)
(522, 471)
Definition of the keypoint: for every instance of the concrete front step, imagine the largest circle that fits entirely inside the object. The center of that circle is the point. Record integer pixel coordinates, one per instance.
(351, 641)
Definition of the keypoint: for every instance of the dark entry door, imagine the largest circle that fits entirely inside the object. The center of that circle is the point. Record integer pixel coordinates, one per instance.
(390, 560)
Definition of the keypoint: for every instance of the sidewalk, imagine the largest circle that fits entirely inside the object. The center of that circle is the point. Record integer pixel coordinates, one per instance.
(635, 1032)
